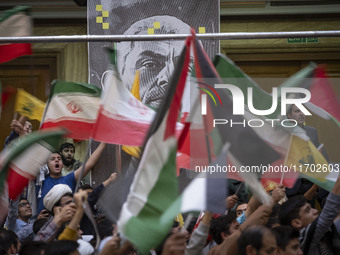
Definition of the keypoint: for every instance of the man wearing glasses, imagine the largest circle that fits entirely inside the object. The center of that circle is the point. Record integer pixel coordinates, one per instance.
(19, 219)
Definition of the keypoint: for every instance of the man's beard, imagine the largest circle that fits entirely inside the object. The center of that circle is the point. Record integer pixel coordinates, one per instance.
(67, 162)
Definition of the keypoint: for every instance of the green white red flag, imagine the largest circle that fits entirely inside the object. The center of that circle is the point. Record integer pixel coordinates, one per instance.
(15, 22)
(73, 106)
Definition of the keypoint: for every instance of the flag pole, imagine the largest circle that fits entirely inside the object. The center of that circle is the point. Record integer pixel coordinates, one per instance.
(286, 158)
(85, 203)
(118, 150)
(119, 159)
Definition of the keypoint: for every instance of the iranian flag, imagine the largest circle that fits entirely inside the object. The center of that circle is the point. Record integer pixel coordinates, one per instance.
(21, 162)
(154, 187)
(15, 23)
(122, 118)
(73, 106)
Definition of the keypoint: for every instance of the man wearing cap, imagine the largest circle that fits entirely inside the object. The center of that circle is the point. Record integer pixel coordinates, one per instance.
(58, 201)
(55, 165)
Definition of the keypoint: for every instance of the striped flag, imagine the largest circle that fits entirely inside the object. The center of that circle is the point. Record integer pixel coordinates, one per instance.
(73, 106)
(28, 105)
(206, 192)
(323, 100)
(6, 94)
(14, 23)
(134, 150)
(122, 119)
(277, 137)
(20, 163)
(154, 187)
(246, 147)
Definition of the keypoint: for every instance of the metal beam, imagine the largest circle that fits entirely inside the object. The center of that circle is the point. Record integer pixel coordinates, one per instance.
(208, 36)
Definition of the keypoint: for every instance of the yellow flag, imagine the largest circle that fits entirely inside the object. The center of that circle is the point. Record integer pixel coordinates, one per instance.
(134, 151)
(180, 220)
(29, 105)
(304, 158)
(135, 86)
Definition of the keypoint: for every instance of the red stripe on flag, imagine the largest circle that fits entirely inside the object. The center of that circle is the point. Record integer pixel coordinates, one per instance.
(77, 129)
(134, 132)
(6, 93)
(323, 94)
(17, 180)
(176, 101)
(14, 50)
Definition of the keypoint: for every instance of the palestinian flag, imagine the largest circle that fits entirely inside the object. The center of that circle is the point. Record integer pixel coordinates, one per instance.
(15, 23)
(21, 162)
(154, 187)
(73, 106)
(323, 100)
(246, 147)
(207, 192)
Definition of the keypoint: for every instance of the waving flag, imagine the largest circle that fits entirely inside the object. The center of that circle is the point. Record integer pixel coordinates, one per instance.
(122, 119)
(15, 23)
(246, 147)
(20, 163)
(134, 150)
(28, 105)
(154, 187)
(73, 106)
(323, 100)
(5, 94)
(207, 191)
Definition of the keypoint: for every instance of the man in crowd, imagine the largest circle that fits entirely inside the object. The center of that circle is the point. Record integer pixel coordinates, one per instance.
(257, 240)
(19, 128)
(70, 164)
(314, 229)
(287, 240)
(55, 165)
(19, 219)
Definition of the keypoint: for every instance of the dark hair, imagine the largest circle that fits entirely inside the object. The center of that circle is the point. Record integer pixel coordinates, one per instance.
(105, 227)
(221, 225)
(272, 221)
(33, 248)
(7, 239)
(38, 224)
(85, 187)
(62, 247)
(23, 198)
(253, 236)
(290, 209)
(284, 234)
(66, 145)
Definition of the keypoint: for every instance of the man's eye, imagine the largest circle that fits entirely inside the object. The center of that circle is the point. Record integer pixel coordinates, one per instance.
(150, 64)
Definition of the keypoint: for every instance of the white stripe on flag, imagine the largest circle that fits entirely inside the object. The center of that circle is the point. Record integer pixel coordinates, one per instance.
(25, 163)
(81, 106)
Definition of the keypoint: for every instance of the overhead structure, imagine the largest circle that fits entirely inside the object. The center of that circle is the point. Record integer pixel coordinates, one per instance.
(161, 37)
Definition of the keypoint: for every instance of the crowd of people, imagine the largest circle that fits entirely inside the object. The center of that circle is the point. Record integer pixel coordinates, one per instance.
(301, 220)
